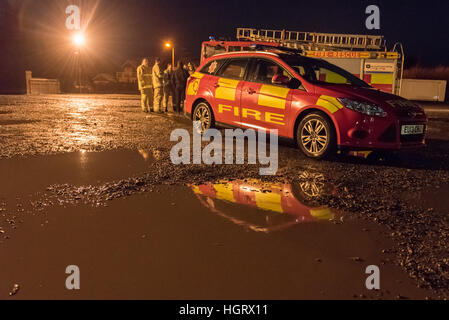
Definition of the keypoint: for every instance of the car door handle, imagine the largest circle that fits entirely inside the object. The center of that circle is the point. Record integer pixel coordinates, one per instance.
(251, 91)
(216, 85)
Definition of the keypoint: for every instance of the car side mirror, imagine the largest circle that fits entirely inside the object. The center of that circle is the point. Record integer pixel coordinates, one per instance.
(294, 83)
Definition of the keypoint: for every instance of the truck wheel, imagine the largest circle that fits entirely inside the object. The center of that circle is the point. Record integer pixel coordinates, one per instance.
(203, 114)
(316, 136)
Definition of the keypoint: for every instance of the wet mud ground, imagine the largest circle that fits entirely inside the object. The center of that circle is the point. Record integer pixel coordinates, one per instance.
(88, 181)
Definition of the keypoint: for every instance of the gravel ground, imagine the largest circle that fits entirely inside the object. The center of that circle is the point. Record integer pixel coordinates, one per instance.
(375, 189)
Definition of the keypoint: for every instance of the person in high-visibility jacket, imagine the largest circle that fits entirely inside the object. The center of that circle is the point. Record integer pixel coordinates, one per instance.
(145, 84)
(158, 82)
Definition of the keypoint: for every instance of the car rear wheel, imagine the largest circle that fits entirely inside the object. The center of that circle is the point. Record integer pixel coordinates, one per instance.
(204, 115)
(316, 136)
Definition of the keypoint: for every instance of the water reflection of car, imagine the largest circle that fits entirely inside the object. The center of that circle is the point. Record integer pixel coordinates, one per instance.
(259, 206)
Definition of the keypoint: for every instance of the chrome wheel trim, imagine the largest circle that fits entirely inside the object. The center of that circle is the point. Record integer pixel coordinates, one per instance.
(203, 115)
(312, 184)
(314, 136)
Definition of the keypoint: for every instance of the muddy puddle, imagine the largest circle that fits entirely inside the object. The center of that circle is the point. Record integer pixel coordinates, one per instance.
(433, 198)
(225, 239)
(16, 122)
(34, 174)
(221, 240)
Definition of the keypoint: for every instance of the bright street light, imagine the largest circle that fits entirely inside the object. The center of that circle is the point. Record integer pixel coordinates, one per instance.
(79, 40)
(169, 45)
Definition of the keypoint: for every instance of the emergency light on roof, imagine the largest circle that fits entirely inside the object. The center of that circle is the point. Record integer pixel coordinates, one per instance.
(211, 38)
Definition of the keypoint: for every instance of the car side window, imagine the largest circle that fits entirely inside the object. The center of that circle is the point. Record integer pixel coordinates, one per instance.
(234, 69)
(269, 72)
(325, 75)
(212, 67)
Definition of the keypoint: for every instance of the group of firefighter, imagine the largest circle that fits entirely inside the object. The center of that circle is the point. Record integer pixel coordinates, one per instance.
(157, 85)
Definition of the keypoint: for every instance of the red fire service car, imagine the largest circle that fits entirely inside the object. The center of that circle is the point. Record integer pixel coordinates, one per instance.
(319, 105)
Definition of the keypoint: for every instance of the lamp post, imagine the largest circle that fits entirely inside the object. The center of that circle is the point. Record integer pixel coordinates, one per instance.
(79, 40)
(169, 45)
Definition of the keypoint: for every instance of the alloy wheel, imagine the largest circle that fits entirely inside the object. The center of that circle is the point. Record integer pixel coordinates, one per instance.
(314, 136)
(203, 115)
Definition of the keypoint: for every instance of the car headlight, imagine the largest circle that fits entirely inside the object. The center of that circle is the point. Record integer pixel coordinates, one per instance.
(363, 107)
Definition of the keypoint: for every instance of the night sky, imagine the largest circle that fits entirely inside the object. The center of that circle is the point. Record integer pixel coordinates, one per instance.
(33, 34)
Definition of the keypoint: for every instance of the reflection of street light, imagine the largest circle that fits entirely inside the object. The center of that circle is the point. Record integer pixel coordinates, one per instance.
(169, 45)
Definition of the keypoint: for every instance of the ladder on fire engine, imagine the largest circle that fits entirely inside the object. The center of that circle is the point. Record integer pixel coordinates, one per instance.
(312, 40)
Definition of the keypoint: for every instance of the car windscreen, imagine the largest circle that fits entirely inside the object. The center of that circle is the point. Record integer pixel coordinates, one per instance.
(320, 71)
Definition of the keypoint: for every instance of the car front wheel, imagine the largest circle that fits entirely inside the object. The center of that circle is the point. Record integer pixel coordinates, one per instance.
(316, 137)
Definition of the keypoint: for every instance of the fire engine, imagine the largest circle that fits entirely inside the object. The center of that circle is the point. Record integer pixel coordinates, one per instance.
(365, 56)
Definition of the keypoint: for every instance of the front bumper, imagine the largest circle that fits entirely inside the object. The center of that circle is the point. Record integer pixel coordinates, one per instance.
(382, 134)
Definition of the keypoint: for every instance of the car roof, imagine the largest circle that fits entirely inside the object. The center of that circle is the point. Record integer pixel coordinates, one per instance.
(244, 53)
(281, 55)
